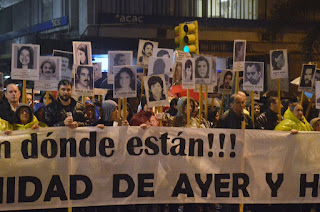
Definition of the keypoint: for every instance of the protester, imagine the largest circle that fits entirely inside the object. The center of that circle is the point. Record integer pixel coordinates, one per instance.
(294, 120)
(110, 113)
(173, 107)
(43, 99)
(9, 104)
(65, 111)
(92, 113)
(38, 111)
(315, 123)
(143, 117)
(180, 120)
(5, 126)
(269, 119)
(24, 118)
(232, 119)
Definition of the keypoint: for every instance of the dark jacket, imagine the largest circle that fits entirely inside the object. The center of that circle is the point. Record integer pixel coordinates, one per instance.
(267, 120)
(5, 111)
(56, 113)
(231, 120)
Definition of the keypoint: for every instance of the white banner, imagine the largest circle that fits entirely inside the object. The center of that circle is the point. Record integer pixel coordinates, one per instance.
(60, 167)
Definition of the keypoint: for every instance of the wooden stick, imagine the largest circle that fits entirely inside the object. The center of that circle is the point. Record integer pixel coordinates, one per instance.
(24, 91)
(188, 107)
(119, 108)
(201, 104)
(206, 102)
(160, 110)
(99, 98)
(237, 82)
(241, 208)
(142, 80)
(124, 108)
(252, 105)
(279, 101)
(47, 97)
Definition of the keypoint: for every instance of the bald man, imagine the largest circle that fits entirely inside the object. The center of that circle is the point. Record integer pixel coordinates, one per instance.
(10, 103)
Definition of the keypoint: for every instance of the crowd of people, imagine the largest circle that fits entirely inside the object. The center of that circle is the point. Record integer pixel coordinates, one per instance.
(64, 110)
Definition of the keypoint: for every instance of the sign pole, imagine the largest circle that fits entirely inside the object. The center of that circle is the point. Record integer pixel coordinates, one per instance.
(24, 91)
(206, 102)
(124, 109)
(201, 104)
(237, 82)
(222, 104)
(142, 80)
(252, 105)
(188, 107)
(279, 101)
(119, 108)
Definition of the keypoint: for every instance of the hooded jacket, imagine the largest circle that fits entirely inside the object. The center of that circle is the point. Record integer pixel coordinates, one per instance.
(32, 120)
(107, 107)
(180, 120)
(4, 125)
(292, 122)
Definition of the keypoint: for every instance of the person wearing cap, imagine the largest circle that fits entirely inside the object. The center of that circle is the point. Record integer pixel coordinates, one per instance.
(315, 123)
(38, 111)
(24, 118)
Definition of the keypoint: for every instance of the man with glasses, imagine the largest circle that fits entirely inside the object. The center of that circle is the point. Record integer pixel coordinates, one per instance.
(232, 118)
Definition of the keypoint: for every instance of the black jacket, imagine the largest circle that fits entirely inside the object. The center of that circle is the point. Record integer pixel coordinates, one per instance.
(5, 111)
(56, 113)
(231, 120)
(267, 120)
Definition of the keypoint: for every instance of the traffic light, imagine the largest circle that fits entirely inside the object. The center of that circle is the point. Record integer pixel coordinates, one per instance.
(191, 39)
(179, 36)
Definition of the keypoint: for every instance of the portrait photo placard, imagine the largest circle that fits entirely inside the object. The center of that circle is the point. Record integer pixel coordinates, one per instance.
(82, 53)
(226, 81)
(125, 81)
(159, 65)
(203, 72)
(188, 72)
(307, 77)
(66, 64)
(49, 74)
(83, 80)
(118, 58)
(156, 90)
(317, 94)
(25, 61)
(316, 78)
(164, 53)
(145, 51)
(1, 81)
(239, 54)
(279, 64)
(253, 76)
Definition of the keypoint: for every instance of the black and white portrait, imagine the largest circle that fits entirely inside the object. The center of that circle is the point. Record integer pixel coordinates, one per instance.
(202, 70)
(83, 80)
(66, 64)
(239, 54)
(82, 53)
(25, 61)
(164, 53)
(307, 77)
(158, 66)
(226, 81)
(125, 81)
(188, 72)
(279, 64)
(253, 76)
(145, 51)
(118, 58)
(156, 90)
(316, 78)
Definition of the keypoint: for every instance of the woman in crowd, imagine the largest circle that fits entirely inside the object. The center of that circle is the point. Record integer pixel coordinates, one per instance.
(294, 120)
(315, 123)
(24, 118)
(47, 70)
(43, 99)
(38, 111)
(180, 120)
(92, 113)
(25, 58)
(110, 114)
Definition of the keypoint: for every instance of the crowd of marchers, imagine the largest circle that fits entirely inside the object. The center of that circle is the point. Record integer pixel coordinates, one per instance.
(64, 110)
